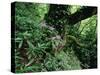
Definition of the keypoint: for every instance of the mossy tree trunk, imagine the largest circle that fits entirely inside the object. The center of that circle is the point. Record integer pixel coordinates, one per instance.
(57, 17)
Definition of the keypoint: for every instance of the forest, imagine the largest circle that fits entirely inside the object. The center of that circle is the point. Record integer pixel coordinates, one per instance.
(54, 37)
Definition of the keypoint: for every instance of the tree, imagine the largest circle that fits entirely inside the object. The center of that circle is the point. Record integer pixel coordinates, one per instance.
(82, 14)
(51, 37)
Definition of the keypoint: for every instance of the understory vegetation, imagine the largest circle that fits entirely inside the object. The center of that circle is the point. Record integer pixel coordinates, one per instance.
(51, 37)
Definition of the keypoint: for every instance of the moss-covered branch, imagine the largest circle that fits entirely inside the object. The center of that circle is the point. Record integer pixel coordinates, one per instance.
(76, 41)
(73, 38)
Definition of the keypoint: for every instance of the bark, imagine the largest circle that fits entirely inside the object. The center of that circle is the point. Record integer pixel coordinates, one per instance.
(82, 14)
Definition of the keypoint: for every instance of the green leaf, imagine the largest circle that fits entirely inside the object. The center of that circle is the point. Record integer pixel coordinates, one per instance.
(30, 45)
(30, 62)
(18, 57)
(20, 44)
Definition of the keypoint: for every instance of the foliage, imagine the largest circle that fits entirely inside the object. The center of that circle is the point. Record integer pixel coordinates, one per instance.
(48, 43)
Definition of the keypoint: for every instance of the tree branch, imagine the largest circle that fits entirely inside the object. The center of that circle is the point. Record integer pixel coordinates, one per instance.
(82, 14)
(76, 41)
